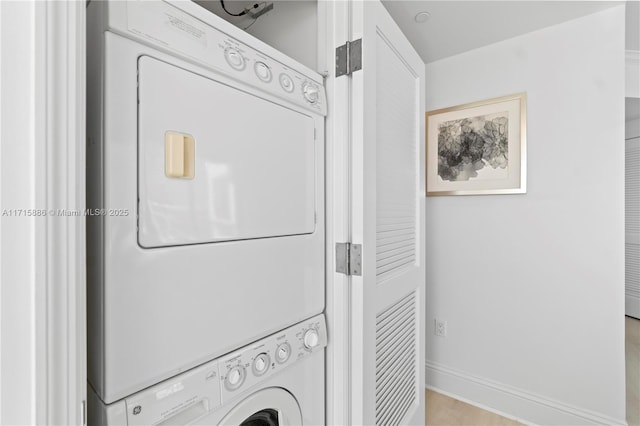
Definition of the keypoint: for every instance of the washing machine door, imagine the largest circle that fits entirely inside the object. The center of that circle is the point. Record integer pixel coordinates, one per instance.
(268, 407)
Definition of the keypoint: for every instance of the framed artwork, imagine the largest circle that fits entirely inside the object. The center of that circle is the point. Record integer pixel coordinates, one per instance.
(478, 148)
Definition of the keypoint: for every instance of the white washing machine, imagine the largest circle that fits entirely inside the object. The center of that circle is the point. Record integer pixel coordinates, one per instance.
(278, 380)
(206, 189)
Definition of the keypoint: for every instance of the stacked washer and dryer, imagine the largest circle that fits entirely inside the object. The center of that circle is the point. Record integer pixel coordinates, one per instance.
(206, 262)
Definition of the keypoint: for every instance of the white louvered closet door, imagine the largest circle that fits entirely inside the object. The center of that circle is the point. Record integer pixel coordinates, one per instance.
(387, 124)
(632, 227)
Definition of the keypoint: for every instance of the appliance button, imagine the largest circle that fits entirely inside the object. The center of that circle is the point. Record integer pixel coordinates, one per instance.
(263, 71)
(310, 92)
(234, 58)
(261, 364)
(235, 378)
(283, 353)
(287, 83)
(311, 339)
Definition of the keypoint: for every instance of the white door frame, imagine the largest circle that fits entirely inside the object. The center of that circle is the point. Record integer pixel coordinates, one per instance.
(333, 30)
(344, 405)
(42, 254)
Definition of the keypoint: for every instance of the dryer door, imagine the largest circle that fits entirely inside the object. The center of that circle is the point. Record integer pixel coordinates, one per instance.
(268, 407)
(216, 163)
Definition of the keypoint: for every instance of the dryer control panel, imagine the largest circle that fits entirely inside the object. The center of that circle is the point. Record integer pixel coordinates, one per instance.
(272, 75)
(195, 393)
(199, 35)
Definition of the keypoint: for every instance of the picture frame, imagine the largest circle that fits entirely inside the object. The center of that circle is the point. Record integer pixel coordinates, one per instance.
(477, 148)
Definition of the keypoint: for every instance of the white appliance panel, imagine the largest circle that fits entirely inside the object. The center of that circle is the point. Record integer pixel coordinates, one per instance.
(157, 312)
(254, 172)
(227, 390)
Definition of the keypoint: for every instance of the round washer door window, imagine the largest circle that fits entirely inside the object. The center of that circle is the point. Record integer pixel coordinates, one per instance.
(267, 417)
(267, 407)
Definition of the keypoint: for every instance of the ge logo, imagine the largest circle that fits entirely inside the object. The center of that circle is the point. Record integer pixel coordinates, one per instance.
(136, 410)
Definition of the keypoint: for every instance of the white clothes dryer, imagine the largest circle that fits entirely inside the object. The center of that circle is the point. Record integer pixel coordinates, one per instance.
(276, 381)
(206, 189)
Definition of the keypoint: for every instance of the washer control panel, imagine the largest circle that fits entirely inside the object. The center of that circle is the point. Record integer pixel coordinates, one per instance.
(204, 388)
(270, 355)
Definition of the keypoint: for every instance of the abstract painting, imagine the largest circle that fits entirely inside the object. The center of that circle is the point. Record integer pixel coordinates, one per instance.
(477, 148)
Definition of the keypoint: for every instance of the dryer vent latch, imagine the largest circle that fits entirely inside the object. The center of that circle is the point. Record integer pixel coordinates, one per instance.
(349, 258)
(349, 57)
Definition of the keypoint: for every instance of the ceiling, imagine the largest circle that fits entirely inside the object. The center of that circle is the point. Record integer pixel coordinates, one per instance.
(459, 26)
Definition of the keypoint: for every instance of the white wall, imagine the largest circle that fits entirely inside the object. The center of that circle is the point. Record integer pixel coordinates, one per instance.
(42, 280)
(632, 85)
(632, 116)
(20, 363)
(632, 128)
(291, 27)
(532, 286)
(632, 192)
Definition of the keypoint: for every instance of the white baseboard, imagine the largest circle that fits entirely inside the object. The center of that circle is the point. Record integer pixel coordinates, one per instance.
(510, 402)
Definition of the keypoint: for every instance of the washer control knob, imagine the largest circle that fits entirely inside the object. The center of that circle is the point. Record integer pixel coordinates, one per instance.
(235, 378)
(311, 338)
(261, 364)
(263, 71)
(283, 353)
(287, 83)
(234, 58)
(310, 92)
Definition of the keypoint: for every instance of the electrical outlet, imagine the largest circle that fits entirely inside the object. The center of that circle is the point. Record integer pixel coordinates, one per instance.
(440, 327)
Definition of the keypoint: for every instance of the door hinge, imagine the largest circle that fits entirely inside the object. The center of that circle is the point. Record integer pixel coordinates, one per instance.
(349, 258)
(83, 412)
(349, 57)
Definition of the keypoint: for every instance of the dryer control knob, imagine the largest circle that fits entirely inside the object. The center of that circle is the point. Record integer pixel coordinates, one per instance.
(235, 378)
(310, 92)
(261, 364)
(286, 83)
(283, 353)
(234, 58)
(311, 338)
(262, 71)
